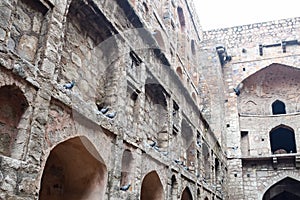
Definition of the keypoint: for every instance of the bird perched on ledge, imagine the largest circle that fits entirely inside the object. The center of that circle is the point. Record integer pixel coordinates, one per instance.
(237, 91)
(104, 110)
(69, 86)
(238, 88)
(111, 115)
(125, 187)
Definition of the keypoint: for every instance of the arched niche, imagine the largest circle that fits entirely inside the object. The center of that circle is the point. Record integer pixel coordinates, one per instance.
(186, 194)
(179, 72)
(206, 161)
(194, 96)
(278, 107)
(186, 133)
(276, 81)
(282, 140)
(286, 189)
(152, 188)
(181, 18)
(193, 47)
(13, 105)
(127, 168)
(74, 171)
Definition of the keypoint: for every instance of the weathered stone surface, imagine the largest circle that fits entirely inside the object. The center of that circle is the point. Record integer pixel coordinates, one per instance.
(27, 47)
(165, 120)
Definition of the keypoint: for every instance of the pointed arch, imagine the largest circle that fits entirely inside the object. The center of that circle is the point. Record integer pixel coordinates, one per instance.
(282, 140)
(152, 188)
(287, 188)
(179, 72)
(278, 107)
(74, 171)
(276, 81)
(186, 194)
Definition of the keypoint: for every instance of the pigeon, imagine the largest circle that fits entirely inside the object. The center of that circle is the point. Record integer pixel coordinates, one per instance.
(153, 144)
(111, 115)
(199, 143)
(69, 86)
(237, 91)
(235, 147)
(186, 168)
(178, 162)
(238, 88)
(156, 148)
(125, 187)
(174, 112)
(104, 110)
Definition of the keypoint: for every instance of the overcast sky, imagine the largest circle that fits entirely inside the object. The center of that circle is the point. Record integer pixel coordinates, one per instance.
(226, 13)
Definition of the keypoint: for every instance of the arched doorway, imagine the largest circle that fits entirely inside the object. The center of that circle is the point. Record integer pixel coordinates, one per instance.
(73, 173)
(13, 105)
(152, 188)
(186, 194)
(282, 139)
(278, 107)
(286, 189)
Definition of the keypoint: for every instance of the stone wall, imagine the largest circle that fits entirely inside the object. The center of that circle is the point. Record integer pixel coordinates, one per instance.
(57, 142)
(260, 55)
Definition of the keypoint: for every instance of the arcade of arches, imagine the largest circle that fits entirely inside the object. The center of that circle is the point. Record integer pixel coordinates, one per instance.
(181, 122)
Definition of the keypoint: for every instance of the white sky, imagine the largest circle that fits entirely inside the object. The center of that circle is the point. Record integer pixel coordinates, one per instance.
(227, 13)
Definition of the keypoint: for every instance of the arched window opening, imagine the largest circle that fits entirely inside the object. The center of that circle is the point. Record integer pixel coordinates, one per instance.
(217, 171)
(282, 140)
(152, 188)
(146, 9)
(193, 47)
(278, 107)
(287, 189)
(179, 72)
(126, 173)
(173, 181)
(191, 157)
(198, 193)
(194, 96)
(174, 187)
(206, 162)
(186, 133)
(186, 194)
(188, 144)
(181, 18)
(13, 104)
(74, 172)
